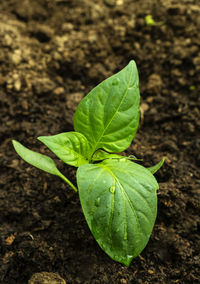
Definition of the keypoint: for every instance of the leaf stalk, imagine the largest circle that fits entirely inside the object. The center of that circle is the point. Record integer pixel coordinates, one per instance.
(68, 182)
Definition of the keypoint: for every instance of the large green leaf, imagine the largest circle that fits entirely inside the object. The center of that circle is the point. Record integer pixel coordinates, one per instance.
(109, 115)
(119, 202)
(71, 147)
(39, 161)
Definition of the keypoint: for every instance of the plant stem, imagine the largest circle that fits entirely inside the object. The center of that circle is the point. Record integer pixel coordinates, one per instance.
(68, 182)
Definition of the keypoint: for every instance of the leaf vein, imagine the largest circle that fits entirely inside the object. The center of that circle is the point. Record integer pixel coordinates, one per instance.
(104, 130)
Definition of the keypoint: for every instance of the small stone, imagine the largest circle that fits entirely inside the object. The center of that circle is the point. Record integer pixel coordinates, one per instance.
(57, 199)
(46, 278)
(14, 164)
(17, 85)
(31, 62)
(92, 37)
(189, 127)
(67, 27)
(154, 84)
(25, 105)
(16, 57)
(7, 257)
(9, 240)
(9, 86)
(176, 73)
(59, 91)
(73, 100)
(43, 85)
(57, 56)
(119, 2)
(97, 71)
(196, 60)
(7, 40)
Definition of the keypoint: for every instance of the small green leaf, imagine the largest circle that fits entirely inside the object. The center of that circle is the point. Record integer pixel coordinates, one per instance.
(35, 159)
(151, 22)
(155, 168)
(40, 161)
(120, 204)
(192, 88)
(109, 115)
(71, 147)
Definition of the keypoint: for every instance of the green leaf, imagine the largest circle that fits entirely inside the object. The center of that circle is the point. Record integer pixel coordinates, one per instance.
(151, 22)
(71, 147)
(155, 168)
(109, 115)
(39, 161)
(120, 205)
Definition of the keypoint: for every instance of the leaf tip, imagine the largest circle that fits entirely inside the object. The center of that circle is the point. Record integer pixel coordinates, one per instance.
(132, 63)
(127, 261)
(15, 144)
(40, 138)
(162, 161)
(155, 168)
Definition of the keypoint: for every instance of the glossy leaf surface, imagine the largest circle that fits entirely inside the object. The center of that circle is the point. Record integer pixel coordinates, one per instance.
(109, 115)
(119, 203)
(71, 147)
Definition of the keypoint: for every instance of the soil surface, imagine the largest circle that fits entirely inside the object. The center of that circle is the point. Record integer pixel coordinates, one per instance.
(52, 52)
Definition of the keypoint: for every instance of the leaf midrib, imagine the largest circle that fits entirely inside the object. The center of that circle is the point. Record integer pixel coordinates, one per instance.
(104, 130)
(125, 197)
(64, 148)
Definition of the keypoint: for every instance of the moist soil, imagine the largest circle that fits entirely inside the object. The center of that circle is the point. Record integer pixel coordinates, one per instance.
(51, 54)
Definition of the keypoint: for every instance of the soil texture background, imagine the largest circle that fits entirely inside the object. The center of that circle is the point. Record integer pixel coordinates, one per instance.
(52, 53)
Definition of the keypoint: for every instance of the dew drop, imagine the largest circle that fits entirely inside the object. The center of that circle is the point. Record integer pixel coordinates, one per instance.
(112, 189)
(129, 256)
(115, 82)
(97, 201)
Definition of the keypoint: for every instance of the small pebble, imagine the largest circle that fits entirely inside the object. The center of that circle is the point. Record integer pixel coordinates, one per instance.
(46, 278)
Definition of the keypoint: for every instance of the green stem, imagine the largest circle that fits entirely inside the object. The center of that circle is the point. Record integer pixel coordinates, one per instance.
(68, 182)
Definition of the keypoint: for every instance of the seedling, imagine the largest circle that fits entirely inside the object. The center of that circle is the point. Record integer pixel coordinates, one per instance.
(151, 22)
(117, 195)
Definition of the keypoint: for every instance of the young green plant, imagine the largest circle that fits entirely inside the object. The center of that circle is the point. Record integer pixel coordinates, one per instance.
(118, 196)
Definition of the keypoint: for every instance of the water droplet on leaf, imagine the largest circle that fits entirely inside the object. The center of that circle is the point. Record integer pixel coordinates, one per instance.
(129, 256)
(115, 82)
(97, 201)
(112, 189)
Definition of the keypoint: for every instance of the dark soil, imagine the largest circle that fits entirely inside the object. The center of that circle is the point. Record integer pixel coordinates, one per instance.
(52, 52)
